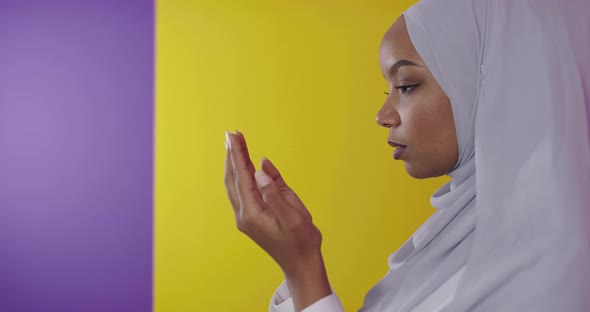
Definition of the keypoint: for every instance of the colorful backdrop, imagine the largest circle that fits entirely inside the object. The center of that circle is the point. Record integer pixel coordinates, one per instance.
(112, 116)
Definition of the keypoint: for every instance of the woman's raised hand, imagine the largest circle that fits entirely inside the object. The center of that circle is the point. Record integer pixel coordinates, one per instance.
(269, 212)
(266, 208)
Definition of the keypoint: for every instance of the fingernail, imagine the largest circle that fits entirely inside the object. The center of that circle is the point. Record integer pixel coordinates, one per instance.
(261, 178)
(227, 140)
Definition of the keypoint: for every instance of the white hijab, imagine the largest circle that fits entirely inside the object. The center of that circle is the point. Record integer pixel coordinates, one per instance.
(518, 76)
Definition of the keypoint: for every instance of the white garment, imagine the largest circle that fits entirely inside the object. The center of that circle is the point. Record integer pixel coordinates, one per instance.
(282, 302)
(440, 298)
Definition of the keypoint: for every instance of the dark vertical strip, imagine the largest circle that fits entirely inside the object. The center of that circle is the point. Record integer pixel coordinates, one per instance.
(76, 155)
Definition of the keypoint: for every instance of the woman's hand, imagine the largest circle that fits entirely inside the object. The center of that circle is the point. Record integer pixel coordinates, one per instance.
(269, 212)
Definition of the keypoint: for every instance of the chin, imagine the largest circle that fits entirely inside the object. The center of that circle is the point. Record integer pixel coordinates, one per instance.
(418, 172)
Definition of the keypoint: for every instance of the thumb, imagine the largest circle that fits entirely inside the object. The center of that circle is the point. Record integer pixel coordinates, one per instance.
(272, 196)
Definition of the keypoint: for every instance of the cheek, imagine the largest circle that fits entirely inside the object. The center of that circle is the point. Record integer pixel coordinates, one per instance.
(424, 121)
(438, 117)
(434, 138)
(445, 135)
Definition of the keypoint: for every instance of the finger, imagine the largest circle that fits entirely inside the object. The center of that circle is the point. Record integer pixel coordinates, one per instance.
(245, 152)
(271, 195)
(229, 179)
(248, 195)
(271, 170)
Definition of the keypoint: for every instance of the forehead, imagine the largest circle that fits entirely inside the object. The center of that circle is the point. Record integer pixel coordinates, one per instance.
(396, 44)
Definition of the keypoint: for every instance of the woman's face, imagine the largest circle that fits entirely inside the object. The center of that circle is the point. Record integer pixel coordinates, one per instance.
(417, 111)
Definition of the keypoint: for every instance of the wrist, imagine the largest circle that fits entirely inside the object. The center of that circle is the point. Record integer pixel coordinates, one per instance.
(308, 282)
(305, 268)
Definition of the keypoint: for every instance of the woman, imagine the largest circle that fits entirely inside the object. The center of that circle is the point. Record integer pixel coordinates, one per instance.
(497, 87)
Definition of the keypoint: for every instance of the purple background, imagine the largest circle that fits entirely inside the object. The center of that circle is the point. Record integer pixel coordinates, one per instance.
(76, 155)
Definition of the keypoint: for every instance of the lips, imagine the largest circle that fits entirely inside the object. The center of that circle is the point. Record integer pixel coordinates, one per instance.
(400, 149)
(398, 152)
(394, 144)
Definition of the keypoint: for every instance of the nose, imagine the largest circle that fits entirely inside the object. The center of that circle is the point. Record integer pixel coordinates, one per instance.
(387, 116)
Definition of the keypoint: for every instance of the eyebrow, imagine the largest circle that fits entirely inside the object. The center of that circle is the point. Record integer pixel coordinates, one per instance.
(395, 67)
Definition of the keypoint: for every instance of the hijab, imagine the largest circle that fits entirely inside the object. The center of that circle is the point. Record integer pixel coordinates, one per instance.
(516, 213)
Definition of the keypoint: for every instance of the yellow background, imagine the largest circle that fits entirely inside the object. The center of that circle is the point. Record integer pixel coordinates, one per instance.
(301, 80)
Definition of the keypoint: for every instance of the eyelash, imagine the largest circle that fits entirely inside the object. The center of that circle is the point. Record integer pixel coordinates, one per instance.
(410, 87)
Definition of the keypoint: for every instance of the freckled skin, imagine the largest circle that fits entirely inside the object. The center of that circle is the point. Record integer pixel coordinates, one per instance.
(420, 117)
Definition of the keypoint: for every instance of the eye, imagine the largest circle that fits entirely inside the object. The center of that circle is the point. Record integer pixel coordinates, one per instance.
(406, 89)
